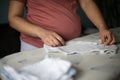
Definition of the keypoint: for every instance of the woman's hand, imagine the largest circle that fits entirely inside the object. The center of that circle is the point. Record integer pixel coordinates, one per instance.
(51, 38)
(107, 37)
(94, 14)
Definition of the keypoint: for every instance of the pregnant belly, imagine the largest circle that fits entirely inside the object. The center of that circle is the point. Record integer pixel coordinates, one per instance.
(66, 31)
(66, 27)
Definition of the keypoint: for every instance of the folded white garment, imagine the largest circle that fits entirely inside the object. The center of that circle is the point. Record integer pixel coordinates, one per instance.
(82, 47)
(47, 69)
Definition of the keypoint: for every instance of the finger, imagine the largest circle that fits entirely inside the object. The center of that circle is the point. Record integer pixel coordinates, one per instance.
(102, 39)
(60, 39)
(57, 42)
(107, 39)
(49, 41)
(113, 40)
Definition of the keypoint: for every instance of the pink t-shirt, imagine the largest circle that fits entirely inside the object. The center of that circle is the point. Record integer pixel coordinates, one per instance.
(56, 15)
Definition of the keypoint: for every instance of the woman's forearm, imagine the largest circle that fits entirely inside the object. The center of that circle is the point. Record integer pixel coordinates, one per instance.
(93, 13)
(16, 10)
(24, 26)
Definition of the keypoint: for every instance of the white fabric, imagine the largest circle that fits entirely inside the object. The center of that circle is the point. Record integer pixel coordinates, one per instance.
(47, 69)
(25, 46)
(82, 47)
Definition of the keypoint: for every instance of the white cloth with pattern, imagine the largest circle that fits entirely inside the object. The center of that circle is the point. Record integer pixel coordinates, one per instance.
(82, 47)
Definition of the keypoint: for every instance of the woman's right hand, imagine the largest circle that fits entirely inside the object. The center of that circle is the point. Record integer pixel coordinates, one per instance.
(51, 38)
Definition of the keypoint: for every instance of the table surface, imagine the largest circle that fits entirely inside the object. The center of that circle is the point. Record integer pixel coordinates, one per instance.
(83, 63)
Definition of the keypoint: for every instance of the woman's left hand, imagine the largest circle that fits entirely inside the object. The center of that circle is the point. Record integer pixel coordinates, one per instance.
(107, 37)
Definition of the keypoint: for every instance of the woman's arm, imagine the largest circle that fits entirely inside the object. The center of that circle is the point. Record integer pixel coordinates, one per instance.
(94, 14)
(16, 21)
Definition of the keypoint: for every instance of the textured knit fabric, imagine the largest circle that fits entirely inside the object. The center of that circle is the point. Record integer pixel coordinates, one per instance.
(56, 15)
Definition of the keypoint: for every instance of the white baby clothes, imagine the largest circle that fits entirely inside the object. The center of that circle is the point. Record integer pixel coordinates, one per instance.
(9, 73)
(82, 47)
(47, 69)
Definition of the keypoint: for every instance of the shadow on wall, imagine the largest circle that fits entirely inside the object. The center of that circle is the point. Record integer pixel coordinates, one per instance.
(87, 26)
(111, 11)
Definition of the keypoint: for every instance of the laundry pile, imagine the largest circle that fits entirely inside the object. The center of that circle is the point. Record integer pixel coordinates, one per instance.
(82, 47)
(47, 69)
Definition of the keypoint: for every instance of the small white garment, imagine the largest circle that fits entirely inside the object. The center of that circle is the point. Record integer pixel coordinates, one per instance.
(47, 69)
(82, 47)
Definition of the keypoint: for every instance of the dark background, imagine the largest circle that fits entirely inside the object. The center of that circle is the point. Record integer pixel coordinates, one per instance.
(9, 38)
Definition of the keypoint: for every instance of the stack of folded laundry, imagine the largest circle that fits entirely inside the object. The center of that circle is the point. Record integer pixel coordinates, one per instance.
(47, 69)
(82, 47)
